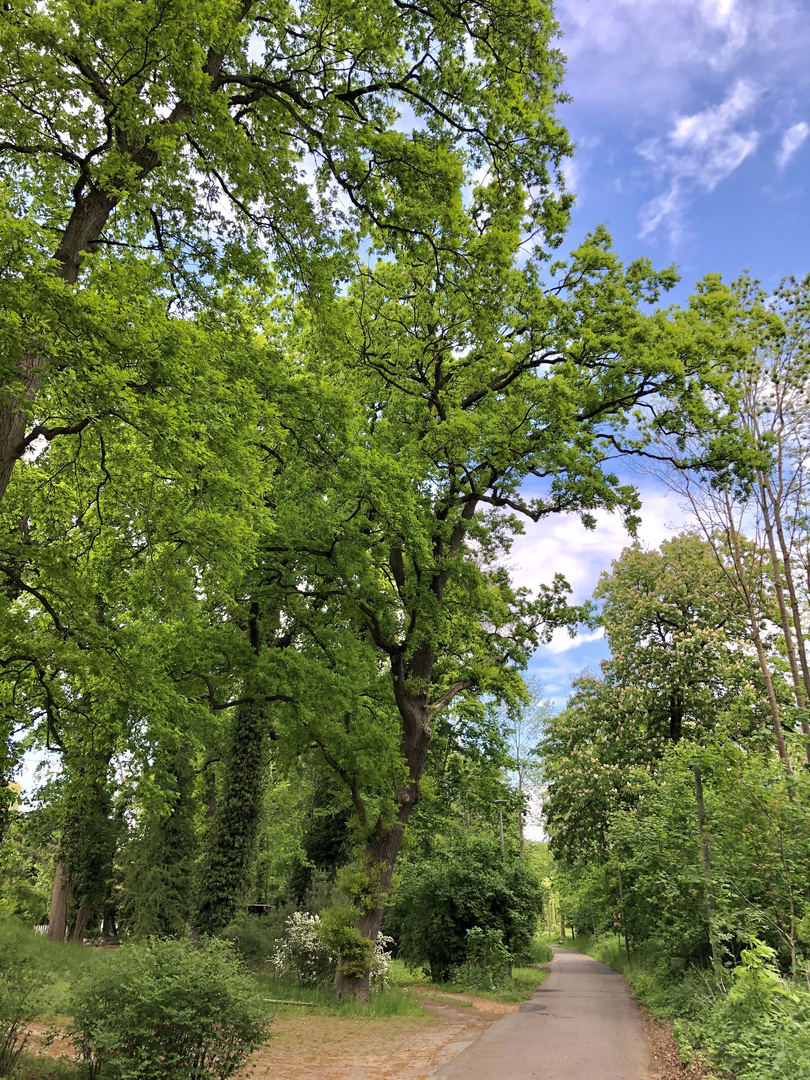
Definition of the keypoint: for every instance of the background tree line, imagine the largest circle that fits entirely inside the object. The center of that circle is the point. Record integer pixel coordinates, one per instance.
(676, 780)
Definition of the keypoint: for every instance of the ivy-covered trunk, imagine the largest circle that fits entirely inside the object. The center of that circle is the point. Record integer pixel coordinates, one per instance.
(232, 836)
(87, 844)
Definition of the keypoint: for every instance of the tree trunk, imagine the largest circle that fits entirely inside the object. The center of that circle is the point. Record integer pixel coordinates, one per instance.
(789, 620)
(520, 817)
(108, 927)
(385, 840)
(707, 862)
(14, 416)
(380, 857)
(80, 925)
(60, 898)
(753, 620)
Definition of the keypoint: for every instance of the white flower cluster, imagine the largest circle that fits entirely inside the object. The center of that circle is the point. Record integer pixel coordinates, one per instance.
(380, 960)
(303, 956)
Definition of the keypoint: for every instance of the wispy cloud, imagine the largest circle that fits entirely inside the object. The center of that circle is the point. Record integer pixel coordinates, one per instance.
(699, 152)
(791, 141)
(650, 53)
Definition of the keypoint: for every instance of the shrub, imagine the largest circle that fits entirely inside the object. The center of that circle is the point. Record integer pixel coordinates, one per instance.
(309, 950)
(538, 952)
(468, 884)
(254, 937)
(488, 960)
(761, 1029)
(301, 954)
(167, 1010)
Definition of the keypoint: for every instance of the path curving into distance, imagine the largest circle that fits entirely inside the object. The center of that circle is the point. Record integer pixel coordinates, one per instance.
(582, 1024)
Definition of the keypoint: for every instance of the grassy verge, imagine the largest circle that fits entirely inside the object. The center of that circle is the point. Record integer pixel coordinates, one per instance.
(396, 999)
(522, 985)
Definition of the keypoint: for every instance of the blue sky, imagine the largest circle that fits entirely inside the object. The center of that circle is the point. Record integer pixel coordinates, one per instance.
(692, 124)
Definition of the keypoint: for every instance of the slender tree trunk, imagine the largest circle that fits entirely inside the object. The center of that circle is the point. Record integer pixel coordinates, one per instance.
(108, 927)
(624, 913)
(80, 925)
(795, 613)
(60, 899)
(753, 620)
(789, 621)
(520, 815)
(706, 859)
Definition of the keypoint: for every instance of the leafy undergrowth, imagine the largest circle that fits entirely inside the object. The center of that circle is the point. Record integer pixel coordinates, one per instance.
(41, 1067)
(41, 971)
(522, 984)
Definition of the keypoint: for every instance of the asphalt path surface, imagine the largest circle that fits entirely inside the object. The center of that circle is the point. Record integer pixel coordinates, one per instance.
(582, 1024)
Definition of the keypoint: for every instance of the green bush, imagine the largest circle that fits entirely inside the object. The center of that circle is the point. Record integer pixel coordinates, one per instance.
(167, 1010)
(468, 884)
(254, 937)
(538, 952)
(760, 1030)
(488, 961)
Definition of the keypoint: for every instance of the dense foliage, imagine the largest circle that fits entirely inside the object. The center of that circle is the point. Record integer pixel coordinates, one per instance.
(167, 1009)
(466, 887)
(692, 835)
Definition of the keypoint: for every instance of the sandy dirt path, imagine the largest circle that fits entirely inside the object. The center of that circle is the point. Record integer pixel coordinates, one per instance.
(396, 1048)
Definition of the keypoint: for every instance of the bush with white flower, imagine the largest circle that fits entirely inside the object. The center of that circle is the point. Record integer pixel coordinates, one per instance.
(302, 955)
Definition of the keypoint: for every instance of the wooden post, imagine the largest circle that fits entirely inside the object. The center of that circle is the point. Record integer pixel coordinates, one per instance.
(624, 920)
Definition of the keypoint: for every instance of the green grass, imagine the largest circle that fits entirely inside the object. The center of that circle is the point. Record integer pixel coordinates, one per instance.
(395, 1000)
(39, 1067)
(51, 966)
(525, 981)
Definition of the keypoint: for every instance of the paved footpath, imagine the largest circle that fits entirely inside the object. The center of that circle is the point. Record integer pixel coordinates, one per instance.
(582, 1024)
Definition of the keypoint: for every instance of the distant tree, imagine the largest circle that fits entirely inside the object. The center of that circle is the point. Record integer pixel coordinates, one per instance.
(524, 724)
(157, 871)
(679, 668)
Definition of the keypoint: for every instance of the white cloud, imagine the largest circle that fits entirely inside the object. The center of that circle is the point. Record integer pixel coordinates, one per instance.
(562, 642)
(563, 544)
(649, 53)
(699, 152)
(733, 19)
(791, 141)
